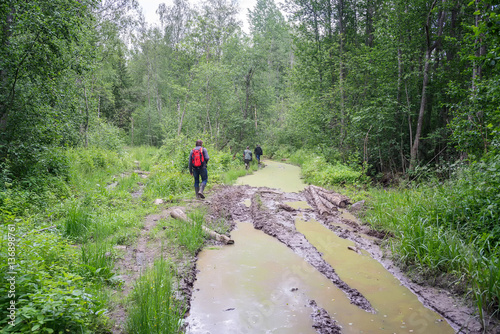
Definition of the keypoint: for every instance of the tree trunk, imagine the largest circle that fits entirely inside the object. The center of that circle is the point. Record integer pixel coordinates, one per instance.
(4, 76)
(425, 82)
(248, 81)
(341, 74)
(149, 109)
(255, 109)
(179, 129)
(208, 108)
(132, 129)
(87, 117)
(370, 10)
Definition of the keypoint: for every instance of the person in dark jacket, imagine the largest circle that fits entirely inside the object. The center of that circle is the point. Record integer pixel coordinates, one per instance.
(195, 158)
(258, 153)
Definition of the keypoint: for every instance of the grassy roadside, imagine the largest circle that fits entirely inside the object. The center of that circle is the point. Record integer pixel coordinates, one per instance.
(65, 229)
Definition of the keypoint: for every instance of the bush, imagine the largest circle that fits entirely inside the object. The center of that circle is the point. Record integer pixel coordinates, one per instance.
(106, 136)
(50, 297)
(317, 171)
(450, 227)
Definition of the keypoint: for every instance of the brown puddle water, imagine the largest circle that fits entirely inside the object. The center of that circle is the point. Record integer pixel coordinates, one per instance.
(398, 309)
(249, 287)
(275, 175)
(258, 285)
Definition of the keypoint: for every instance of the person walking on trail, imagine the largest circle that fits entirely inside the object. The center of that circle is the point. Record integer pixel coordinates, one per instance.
(258, 153)
(198, 159)
(247, 156)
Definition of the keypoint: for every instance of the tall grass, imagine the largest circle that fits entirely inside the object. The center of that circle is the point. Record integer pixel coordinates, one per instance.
(168, 184)
(189, 234)
(232, 175)
(433, 244)
(78, 222)
(155, 308)
(146, 155)
(98, 260)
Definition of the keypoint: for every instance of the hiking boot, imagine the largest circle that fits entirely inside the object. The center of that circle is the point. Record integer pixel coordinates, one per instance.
(197, 191)
(200, 193)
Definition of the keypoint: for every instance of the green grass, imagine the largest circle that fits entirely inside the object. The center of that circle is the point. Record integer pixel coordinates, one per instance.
(232, 175)
(431, 243)
(77, 221)
(189, 235)
(154, 307)
(146, 155)
(98, 260)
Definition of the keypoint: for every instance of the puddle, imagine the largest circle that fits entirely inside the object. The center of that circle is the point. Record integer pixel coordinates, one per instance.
(299, 205)
(259, 285)
(249, 287)
(347, 215)
(398, 309)
(275, 175)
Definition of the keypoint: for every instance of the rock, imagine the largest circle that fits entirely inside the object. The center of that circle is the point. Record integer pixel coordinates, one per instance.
(159, 201)
(357, 206)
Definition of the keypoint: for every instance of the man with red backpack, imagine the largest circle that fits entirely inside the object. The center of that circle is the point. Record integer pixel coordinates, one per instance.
(198, 159)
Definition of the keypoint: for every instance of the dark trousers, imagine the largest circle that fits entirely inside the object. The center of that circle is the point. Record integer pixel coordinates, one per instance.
(197, 172)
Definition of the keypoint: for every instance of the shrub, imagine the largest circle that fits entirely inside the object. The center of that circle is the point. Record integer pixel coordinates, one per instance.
(50, 296)
(317, 171)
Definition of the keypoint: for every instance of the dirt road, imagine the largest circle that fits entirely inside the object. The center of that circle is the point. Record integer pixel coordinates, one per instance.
(375, 300)
(268, 210)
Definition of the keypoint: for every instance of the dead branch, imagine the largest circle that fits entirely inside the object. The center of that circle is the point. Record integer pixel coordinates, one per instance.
(179, 214)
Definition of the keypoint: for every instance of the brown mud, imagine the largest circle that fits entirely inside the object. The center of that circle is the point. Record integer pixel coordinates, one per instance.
(269, 212)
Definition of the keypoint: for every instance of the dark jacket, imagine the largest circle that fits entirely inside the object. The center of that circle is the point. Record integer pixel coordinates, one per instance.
(205, 155)
(258, 150)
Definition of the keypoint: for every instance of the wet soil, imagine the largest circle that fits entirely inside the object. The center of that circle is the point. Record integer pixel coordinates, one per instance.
(269, 212)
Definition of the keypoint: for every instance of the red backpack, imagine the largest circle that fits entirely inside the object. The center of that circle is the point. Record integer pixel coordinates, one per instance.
(197, 157)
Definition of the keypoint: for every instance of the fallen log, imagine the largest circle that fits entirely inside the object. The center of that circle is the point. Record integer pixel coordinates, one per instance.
(318, 203)
(338, 200)
(179, 214)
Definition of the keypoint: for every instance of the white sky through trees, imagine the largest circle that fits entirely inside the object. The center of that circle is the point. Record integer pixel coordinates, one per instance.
(149, 8)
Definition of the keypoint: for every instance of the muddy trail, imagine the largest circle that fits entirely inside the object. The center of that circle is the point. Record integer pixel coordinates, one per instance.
(301, 263)
(275, 213)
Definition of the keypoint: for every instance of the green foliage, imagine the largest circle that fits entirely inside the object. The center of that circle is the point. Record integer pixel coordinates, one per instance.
(98, 261)
(450, 227)
(78, 222)
(168, 184)
(317, 171)
(154, 306)
(106, 136)
(188, 234)
(476, 113)
(50, 295)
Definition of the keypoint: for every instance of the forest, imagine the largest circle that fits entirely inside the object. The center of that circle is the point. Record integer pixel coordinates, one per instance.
(393, 102)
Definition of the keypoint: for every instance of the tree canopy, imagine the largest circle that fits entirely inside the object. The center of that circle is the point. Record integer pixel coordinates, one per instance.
(391, 85)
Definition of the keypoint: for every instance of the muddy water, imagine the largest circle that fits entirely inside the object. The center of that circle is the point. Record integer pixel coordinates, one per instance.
(275, 175)
(258, 285)
(398, 309)
(247, 288)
